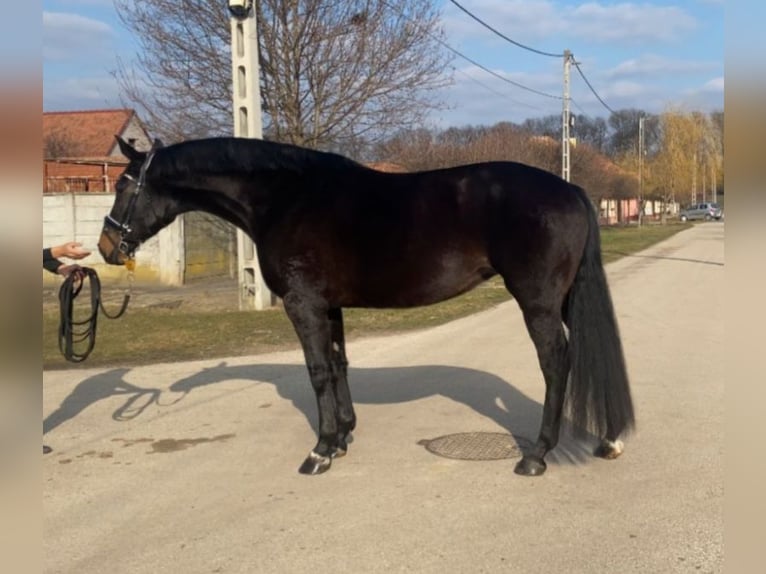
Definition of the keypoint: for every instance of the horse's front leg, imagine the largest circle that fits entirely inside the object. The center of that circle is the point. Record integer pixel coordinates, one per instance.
(311, 323)
(344, 405)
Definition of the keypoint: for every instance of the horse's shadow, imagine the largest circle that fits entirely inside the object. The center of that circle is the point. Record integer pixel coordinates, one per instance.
(484, 393)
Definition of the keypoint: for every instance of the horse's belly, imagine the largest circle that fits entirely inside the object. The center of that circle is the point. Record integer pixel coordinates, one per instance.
(418, 284)
(445, 287)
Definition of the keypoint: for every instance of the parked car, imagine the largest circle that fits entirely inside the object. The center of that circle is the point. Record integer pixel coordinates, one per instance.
(706, 211)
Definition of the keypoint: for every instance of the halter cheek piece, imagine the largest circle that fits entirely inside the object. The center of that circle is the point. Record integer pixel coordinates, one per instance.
(123, 227)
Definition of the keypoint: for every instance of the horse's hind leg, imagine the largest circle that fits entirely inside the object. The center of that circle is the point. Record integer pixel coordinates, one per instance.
(311, 322)
(610, 447)
(345, 408)
(547, 332)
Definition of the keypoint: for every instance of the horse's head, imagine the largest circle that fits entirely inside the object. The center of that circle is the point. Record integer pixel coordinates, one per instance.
(135, 214)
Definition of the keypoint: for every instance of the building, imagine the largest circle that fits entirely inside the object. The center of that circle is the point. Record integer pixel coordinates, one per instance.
(82, 161)
(80, 152)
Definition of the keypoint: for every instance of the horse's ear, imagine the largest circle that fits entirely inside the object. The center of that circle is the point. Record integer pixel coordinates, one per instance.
(157, 144)
(127, 150)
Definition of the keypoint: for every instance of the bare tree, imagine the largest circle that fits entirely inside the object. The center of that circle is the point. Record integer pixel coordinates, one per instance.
(58, 144)
(593, 172)
(549, 126)
(423, 149)
(591, 131)
(333, 72)
(624, 131)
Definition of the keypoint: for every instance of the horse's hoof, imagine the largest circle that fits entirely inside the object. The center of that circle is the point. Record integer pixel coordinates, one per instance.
(315, 464)
(339, 452)
(609, 450)
(530, 466)
(340, 448)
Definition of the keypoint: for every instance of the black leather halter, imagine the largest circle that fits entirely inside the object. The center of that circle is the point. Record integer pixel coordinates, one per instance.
(123, 227)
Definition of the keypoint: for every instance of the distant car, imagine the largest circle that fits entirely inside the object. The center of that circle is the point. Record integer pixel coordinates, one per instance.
(706, 211)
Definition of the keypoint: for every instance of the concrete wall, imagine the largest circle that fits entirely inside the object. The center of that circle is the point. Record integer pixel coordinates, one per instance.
(80, 217)
(210, 247)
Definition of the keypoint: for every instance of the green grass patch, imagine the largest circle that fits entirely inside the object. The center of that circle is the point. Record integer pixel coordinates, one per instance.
(616, 242)
(151, 335)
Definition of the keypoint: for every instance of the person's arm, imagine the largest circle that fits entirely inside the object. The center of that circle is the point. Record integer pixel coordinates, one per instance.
(71, 249)
(50, 263)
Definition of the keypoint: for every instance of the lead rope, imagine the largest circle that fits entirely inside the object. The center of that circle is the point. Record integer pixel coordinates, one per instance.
(73, 332)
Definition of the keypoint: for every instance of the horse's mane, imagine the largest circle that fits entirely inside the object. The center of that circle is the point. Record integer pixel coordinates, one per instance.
(228, 155)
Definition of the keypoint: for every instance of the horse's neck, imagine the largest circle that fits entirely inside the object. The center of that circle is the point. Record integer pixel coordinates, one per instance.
(239, 198)
(223, 196)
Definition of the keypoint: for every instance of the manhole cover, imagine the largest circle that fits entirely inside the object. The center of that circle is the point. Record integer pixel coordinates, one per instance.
(477, 446)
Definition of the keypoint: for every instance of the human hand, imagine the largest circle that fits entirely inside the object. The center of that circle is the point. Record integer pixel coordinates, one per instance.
(67, 270)
(71, 249)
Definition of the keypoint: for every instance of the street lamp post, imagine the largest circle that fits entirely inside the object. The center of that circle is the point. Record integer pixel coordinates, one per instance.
(246, 97)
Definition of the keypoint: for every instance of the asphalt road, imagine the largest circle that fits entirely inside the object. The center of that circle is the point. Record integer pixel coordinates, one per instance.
(192, 467)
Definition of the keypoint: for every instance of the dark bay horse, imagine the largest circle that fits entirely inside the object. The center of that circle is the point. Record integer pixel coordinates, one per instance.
(331, 233)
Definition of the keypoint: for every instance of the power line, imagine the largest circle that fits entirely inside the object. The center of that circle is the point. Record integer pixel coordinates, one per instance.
(536, 51)
(474, 62)
(582, 111)
(577, 65)
(503, 36)
(496, 92)
(477, 64)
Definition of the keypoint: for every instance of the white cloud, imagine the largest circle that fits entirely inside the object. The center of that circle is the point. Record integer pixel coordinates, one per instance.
(81, 93)
(624, 89)
(478, 98)
(653, 65)
(543, 20)
(488, 100)
(632, 22)
(714, 85)
(541, 81)
(68, 36)
(507, 16)
(705, 97)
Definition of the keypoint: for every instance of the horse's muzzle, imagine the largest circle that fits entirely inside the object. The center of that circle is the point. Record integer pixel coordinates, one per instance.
(109, 246)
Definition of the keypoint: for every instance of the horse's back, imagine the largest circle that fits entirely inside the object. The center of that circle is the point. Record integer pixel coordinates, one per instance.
(397, 240)
(526, 224)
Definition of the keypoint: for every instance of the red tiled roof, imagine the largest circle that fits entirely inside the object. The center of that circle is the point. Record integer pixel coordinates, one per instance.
(93, 130)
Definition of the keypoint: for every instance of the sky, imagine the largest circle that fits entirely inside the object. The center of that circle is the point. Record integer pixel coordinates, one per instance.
(651, 55)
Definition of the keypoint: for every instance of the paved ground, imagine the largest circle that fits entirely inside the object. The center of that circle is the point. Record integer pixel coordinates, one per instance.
(191, 467)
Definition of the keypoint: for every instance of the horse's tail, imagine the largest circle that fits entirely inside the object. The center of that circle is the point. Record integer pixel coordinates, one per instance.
(598, 395)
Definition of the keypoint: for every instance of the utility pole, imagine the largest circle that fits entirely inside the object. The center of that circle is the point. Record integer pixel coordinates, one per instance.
(694, 178)
(565, 118)
(640, 170)
(246, 96)
(704, 185)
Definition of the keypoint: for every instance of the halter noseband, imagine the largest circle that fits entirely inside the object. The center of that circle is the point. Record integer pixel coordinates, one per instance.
(123, 227)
